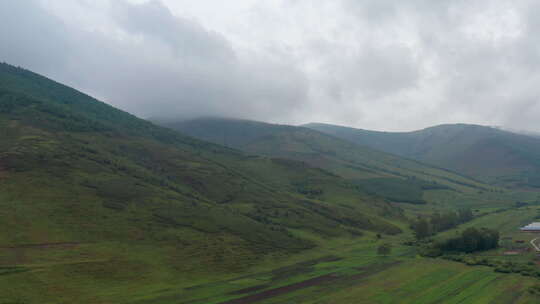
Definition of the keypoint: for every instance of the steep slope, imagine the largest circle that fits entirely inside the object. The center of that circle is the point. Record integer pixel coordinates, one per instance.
(49, 128)
(489, 154)
(89, 190)
(374, 171)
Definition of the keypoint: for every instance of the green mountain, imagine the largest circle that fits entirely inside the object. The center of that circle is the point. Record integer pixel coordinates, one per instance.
(87, 186)
(98, 206)
(393, 177)
(489, 154)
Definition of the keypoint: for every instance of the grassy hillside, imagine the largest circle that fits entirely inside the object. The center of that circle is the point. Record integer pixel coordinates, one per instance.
(395, 178)
(98, 206)
(492, 155)
(350, 271)
(90, 193)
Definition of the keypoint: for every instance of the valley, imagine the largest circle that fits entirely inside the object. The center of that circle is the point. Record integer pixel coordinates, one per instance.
(269, 152)
(339, 270)
(99, 206)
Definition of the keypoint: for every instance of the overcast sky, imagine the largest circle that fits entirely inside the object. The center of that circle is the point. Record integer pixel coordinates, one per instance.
(373, 64)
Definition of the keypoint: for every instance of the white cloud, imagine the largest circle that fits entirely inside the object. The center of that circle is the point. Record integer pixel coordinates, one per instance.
(382, 64)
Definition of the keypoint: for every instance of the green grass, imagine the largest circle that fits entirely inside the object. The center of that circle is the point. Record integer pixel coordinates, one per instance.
(488, 154)
(98, 206)
(140, 272)
(130, 197)
(338, 156)
(399, 190)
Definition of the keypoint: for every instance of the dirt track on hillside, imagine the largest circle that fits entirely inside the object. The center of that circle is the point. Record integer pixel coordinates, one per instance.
(283, 290)
(366, 272)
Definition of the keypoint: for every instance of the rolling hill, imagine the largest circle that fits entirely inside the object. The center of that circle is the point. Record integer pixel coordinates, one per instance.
(98, 206)
(90, 193)
(492, 155)
(396, 178)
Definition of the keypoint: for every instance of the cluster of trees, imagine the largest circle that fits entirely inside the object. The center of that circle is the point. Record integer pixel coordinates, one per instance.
(426, 226)
(472, 239)
(526, 269)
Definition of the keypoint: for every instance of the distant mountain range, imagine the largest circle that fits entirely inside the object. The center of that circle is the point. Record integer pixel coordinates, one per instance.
(456, 152)
(101, 205)
(396, 178)
(489, 154)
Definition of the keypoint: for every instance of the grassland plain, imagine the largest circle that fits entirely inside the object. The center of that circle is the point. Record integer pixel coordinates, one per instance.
(97, 206)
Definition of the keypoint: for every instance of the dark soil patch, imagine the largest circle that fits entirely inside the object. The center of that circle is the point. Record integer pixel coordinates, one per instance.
(283, 290)
(299, 268)
(516, 251)
(366, 273)
(278, 275)
(248, 289)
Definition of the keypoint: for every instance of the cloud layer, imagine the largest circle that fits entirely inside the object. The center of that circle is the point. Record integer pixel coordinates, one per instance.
(381, 64)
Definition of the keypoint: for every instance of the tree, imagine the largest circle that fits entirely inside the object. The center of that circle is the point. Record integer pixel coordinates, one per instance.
(384, 249)
(472, 239)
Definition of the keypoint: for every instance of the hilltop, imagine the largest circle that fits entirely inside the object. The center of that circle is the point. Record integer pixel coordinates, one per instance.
(88, 183)
(490, 154)
(396, 178)
(99, 206)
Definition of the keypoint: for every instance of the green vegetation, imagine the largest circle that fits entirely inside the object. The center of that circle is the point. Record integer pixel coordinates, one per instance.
(399, 190)
(384, 249)
(394, 178)
(471, 240)
(437, 222)
(489, 154)
(98, 206)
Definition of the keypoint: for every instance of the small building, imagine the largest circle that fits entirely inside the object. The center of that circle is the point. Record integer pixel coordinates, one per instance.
(532, 227)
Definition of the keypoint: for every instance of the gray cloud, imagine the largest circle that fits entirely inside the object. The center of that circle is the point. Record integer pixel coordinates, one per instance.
(383, 64)
(162, 65)
(30, 36)
(186, 38)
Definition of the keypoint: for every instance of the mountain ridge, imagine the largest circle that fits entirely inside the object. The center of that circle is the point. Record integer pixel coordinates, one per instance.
(486, 153)
(99, 206)
(53, 133)
(331, 153)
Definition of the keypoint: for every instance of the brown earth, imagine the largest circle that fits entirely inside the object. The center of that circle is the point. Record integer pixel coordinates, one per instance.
(283, 290)
(248, 289)
(332, 277)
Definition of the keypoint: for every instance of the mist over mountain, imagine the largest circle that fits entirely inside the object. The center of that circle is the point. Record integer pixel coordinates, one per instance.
(159, 151)
(372, 65)
(87, 173)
